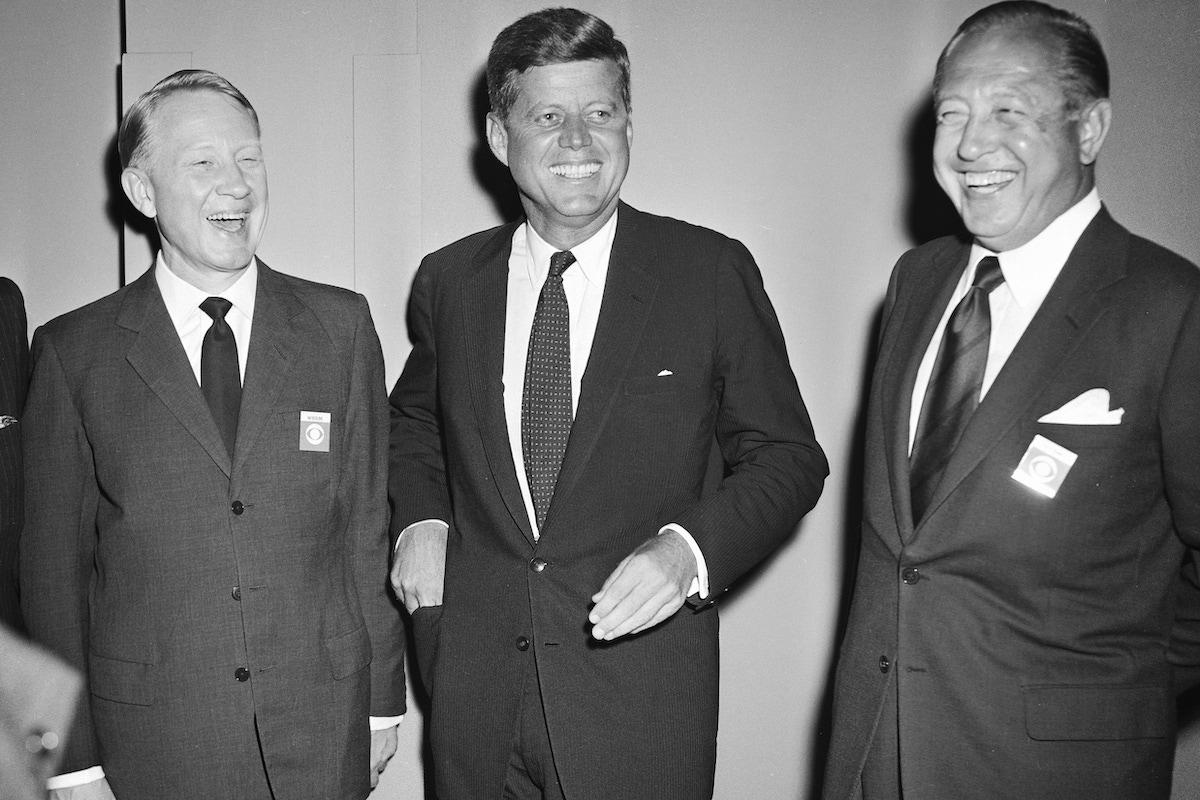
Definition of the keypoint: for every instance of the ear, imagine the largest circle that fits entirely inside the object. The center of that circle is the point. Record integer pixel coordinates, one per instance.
(139, 190)
(1094, 122)
(497, 136)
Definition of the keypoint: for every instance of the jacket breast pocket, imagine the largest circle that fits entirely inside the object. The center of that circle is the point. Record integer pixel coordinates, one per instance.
(121, 681)
(1097, 713)
(1084, 437)
(652, 385)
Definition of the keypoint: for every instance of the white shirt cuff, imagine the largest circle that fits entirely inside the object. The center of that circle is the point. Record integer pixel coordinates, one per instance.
(410, 527)
(700, 582)
(383, 723)
(70, 779)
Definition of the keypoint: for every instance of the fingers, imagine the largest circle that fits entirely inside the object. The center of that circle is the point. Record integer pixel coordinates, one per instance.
(636, 596)
(636, 612)
(419, 567)
(383, 747)
(397, 583)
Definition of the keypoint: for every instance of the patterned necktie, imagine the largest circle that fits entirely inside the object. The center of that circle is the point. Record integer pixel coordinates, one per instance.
(220, 378)
(546, 399)
(954, 386)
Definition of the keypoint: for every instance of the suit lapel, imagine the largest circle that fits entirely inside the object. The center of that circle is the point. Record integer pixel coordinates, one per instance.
(273, 338)
(915, 318)
(484, 304)
(629, 291)
(159, 359)
(1068, 313)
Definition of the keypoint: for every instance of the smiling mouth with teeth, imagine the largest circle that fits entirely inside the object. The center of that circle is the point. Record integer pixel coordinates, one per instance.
(228, 222)
(575, 171)
(987, 180)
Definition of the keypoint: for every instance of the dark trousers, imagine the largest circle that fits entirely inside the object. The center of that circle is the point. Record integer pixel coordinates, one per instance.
(881, 772)
(531, 771)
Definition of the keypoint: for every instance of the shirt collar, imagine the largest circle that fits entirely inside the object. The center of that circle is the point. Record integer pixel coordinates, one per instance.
(1032, 268)
(183, 300)
(591, 255)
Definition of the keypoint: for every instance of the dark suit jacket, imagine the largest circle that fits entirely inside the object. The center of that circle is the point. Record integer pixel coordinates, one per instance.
(206, 600)
(14, 378)
(1029, 650)
(635, 718)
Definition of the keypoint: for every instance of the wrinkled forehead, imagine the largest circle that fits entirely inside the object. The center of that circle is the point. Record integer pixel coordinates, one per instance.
(1011, 46)
(1010, 54)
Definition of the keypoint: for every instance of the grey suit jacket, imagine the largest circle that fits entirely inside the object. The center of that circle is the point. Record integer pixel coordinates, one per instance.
(214, 603)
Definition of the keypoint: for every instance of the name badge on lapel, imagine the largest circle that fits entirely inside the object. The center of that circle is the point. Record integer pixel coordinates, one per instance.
(314, 431)
(1044, 466)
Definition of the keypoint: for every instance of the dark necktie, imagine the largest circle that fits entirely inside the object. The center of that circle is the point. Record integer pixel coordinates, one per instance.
(546, 399)
(954, 386)
(220, 378)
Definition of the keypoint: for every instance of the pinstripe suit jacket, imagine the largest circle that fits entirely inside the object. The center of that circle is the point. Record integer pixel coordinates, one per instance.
(688, 412)
(14, 378)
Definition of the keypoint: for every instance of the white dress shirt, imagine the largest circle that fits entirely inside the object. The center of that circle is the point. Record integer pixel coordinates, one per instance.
(191, 322)
(1029, 272)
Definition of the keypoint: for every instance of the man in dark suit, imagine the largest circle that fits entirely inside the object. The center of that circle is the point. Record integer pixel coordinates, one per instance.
(14, 379)
(206, 537)
(597, 420)
(1013, 609)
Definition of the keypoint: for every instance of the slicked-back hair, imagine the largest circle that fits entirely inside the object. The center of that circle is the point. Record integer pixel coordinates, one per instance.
(135, 138)
(1081, 70)
(550, 36)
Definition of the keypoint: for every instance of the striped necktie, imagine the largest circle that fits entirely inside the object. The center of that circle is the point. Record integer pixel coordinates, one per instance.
(954, 386)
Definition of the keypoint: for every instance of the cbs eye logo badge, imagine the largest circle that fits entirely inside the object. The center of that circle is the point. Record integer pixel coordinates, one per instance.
(1044, 466)
(314, 431)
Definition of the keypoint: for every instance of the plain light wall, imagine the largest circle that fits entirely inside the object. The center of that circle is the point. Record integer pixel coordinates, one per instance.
(793, 125)
(59, 238)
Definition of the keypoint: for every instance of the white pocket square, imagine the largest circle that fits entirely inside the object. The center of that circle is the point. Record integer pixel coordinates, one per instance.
(1090, 408)
(664, 374)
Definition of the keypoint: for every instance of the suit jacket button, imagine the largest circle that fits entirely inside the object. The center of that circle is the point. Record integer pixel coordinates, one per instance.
(237, 593)
(884, 664)
(241, 674)
(911, 575)
(522, 643)
(237, 507)
(538, 564)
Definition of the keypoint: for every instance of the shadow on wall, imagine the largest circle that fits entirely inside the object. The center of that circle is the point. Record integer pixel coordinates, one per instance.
(929, 214)
(120, 212)
(493, 177)
(851, 526)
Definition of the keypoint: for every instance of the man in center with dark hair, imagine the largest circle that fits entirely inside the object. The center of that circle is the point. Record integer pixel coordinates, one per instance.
(597, 423)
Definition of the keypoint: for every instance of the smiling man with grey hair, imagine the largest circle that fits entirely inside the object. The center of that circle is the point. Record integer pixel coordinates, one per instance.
(206, 537)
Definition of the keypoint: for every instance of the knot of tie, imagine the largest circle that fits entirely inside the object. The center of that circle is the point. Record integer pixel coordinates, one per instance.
(559, 263)
(988, 275)
(216, 307)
